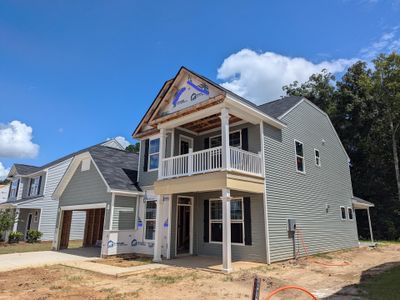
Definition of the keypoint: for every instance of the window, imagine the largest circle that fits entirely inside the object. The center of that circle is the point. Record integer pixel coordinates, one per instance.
(14, 189)
(36, 217)
(150, 220)
(34, 188)
(317, 158)
(237, 221)
(154, 151)
(350, 213)
(343, 212)
(235, 140)
(299, 156)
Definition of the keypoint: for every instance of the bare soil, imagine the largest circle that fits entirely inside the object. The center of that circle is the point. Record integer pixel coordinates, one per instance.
(125, 261)
(58, 282)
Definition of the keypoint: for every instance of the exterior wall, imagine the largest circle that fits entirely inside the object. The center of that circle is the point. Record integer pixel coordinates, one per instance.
(23, 220)
(254, 252)
(26, 186)
(124, 213)
(304, 197)
(4, 189)
(146, 178)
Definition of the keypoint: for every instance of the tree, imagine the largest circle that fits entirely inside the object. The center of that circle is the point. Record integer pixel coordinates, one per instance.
(133, 148)
(7, 219)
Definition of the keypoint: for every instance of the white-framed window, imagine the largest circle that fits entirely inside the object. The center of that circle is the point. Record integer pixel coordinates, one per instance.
(299, 156)
(317, 158)
(14, 189)
(34, 188)
(343, 213)
(235, 140)
(150, 220)
(36, 217)
(154, 154)
(350, 213)
(237, 221)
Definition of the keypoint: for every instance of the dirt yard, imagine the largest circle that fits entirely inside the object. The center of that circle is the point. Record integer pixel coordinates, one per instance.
(184, 283)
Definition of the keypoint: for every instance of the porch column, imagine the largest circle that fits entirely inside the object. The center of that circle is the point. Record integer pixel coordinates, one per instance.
(370, 226)
(226, 160)
(158, 233)
(15, 226)
(162, 152)
(226, 231)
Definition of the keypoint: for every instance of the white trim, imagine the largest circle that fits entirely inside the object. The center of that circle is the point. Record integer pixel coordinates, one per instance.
(111, 211)
(221, 221)
(40, 218)
(172, 143)
(169, 230)
(145, 220)
(84, 206)
(122, 192)
(189, 139)
(191, 225)
(345, 213)
(315, 157)
(230, 132)
(296, 155)
(155, 153)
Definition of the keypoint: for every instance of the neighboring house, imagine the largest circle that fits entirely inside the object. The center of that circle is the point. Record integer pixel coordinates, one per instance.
(30, 194)
(4, 188)
(102, 183)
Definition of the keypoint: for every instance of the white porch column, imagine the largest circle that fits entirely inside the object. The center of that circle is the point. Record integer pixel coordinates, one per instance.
(226, 160)
(169, 226)
(226, 231)
(15, 226)
(158, 233)
(162, 152)
(370, 226)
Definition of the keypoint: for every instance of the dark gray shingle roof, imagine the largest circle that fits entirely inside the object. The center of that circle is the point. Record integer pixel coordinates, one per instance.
(25, 169)
(278, 107)
(118, 167)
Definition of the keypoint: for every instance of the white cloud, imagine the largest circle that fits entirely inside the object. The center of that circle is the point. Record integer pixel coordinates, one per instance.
(388, 42)
(122, 141)
(16, 140)
(260, 76)
(3, 171)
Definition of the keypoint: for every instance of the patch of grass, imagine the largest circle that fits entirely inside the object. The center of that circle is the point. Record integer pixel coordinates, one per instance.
(22, 247)
(227, 278)
(134, 294)
(383, 286)
(74, 278)
(166, 279)
(323, 256)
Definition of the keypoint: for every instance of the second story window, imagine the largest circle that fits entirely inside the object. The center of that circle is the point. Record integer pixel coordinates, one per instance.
(299, 156)
(317, 158)
(14, 189)
(235, 140)
(154, 153)
(34, 188)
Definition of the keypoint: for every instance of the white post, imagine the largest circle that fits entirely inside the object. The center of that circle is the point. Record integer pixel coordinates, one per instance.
(190, 162)
(15, 226)
(158, 233)
(226, 160)
(226, 231)
(162, 153)
(169, 225)
(370, 226)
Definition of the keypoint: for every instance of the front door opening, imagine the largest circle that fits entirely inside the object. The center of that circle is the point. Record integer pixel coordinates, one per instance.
(184, 226)
(185, 144)
(28, 225)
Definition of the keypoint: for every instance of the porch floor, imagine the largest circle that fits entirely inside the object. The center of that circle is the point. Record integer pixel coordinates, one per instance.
(209, 263)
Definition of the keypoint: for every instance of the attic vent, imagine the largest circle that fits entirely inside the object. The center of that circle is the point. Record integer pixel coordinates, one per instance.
(85, 165)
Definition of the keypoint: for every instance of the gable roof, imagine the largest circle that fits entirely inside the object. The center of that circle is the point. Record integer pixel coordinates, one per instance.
(278, 107)
(22, 169)
(119, 168)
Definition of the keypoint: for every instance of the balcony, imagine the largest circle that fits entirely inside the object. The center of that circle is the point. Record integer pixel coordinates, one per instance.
(212, 160)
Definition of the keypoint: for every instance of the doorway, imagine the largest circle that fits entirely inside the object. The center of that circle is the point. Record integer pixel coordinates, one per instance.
(184, 226)
(185, 143)
(28, 225)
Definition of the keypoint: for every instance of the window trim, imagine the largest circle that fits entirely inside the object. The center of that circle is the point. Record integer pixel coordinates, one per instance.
(145, 220)
(352, 213)
(221, 221)
(38, 187)
(230, 132)
(303, 157)
(155, 153)
(345, 213)
(315, 157)
(16, 189)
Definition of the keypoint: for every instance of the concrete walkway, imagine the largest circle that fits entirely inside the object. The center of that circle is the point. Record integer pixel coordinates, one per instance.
(112, 270)
(15, 261)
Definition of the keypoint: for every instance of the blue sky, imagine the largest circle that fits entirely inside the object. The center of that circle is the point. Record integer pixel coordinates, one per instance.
(79, 72)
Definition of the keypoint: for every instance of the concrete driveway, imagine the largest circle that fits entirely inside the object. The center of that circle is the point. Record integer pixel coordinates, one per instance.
(14, 261)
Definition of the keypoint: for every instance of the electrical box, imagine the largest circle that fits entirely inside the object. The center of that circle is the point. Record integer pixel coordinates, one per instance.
(292, 225)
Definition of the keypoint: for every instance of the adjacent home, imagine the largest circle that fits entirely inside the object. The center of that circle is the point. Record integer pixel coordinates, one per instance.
(30, 194)
(4, 188)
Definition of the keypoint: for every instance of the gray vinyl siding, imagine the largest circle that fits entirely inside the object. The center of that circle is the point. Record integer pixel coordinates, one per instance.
(304, 196)
(124, 215)
(23, 219)
(86, 188)
(146, 178)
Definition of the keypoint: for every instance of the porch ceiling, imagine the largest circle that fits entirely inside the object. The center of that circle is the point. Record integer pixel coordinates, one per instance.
(208, 123)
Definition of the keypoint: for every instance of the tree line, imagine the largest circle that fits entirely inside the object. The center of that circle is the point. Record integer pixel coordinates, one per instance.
(364, 107)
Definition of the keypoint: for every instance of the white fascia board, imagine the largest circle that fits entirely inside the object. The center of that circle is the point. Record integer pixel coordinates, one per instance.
(84, 206)
(124, 192)
(260, 116)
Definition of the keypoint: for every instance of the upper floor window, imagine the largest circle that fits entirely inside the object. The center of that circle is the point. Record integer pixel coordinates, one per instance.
(343, 212)
(154, 153)
(235, 140)
(317, 158)
(14, 188)
(299, 156)
(34, 188)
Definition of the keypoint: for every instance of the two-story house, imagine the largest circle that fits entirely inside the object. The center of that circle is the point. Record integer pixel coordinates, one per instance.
(30, 194)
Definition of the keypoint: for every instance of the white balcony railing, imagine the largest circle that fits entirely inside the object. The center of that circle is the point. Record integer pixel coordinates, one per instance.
(210, 160)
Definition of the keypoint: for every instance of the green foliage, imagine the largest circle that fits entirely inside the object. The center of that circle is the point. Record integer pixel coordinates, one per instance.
(133, 148)
(33, 236)
(7, 218)
(364, 106)
(15, 237)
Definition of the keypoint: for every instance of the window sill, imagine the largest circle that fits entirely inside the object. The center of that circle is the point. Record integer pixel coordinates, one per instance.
(233, 244)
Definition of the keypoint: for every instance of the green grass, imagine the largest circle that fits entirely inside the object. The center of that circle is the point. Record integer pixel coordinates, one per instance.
(165, 279)
(26, 247)
(383, 286)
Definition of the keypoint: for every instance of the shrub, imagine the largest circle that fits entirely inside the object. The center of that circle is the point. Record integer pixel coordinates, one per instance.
(15, 237)
(33, 236)
(7, 219)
